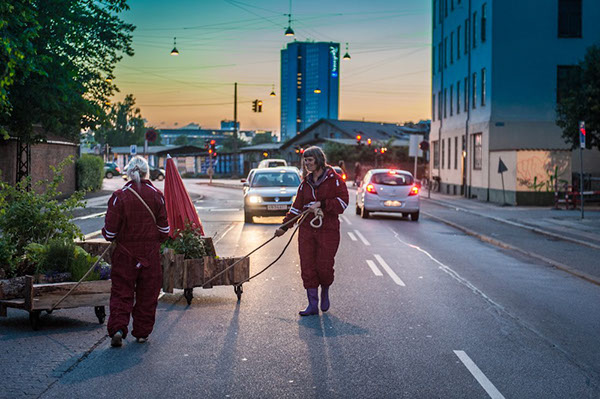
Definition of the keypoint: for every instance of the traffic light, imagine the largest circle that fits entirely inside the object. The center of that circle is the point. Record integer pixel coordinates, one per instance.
(369, 142)
(259, 104)
(213, 148)
(358, 139)
(424, 145)
(206, 146)
(255, 105)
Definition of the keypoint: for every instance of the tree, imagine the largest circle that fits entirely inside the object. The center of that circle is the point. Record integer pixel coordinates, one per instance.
(181, 140)
(228, 144)
(77, 44)
(262, 138)
(580, 101)
(123, 125)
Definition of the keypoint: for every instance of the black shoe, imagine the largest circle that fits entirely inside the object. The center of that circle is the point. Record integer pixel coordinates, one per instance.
(117, 340)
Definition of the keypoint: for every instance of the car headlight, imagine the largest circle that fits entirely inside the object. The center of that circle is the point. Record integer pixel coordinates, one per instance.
(255, 199)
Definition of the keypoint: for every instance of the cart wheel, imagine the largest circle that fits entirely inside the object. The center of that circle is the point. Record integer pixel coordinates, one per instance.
(188, 293)
(34, 319)
(100, 313)
(49, 311)
(238, 291)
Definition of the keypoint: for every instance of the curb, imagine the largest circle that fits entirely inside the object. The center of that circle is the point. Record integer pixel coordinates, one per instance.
(515, 224)
(502, 244)
(221, 185)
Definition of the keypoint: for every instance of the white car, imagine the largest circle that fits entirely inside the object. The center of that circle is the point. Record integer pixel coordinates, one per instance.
(388, 190)
(270, 192)
(272, 163)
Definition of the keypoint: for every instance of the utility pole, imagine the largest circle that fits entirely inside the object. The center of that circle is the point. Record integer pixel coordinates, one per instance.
(235, 132)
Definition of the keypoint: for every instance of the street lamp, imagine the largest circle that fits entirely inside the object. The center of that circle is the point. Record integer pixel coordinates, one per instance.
(289, 31)
(347, 55)
(273, 91)
(174, 51)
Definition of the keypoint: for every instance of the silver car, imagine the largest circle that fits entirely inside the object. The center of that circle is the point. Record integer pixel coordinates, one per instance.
(388, 190)
(270, 192)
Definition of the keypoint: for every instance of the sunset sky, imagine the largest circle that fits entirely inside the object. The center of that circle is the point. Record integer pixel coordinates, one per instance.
(226, 41)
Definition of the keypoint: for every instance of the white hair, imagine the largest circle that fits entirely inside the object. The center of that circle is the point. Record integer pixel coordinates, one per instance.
(137, 169)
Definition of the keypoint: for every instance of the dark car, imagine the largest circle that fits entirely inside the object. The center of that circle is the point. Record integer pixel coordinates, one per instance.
(155, 173)
(111, 169)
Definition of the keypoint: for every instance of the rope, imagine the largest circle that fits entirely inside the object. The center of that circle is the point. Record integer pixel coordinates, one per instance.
(318, 217)
(84, 276)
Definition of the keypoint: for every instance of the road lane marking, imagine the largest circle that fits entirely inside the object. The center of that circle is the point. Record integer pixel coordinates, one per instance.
(374, 267)
(479, 376)
(346, 220)
(93, 234)
(93, 215)
(389, 271)
(362, 238)
(226, 231)
(352, 236)
(209, 209)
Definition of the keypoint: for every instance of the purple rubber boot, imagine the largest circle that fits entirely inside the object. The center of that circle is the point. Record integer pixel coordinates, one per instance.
(313, 302)
(324, 298)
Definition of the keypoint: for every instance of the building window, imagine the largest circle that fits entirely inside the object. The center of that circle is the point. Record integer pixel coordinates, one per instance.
(474, 99)
(443, 154)
(445, 8)
(458, 97)
(466, 36)
(483, 22)
(466, 105)
(477, 155)
(434, 11)
(483, 86)
(458, 43)
(433, 107)
(440, 57)
(436, 154)
(445, 103)
(441, 10)
(440, 105)
(451, 47)
(569, 18)
(566, 75)
(451, 5)
(449, 153)
(451, 100)
(474, 29)
(445, 52)
(433, 61)
(456, 153)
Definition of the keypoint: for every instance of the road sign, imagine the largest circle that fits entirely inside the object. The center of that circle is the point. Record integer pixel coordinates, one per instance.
(133, 149)
(501, 167)
(413, 145)
(582, 134)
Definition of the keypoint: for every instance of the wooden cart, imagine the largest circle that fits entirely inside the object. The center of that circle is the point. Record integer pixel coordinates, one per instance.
(187, 274)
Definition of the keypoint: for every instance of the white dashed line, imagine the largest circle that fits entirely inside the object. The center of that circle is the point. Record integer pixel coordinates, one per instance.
(479, 376)
(92, 216)
(374, 268)
(389, 271)
(346, 220)
(352, 236)
(362, 238)
(226, 231)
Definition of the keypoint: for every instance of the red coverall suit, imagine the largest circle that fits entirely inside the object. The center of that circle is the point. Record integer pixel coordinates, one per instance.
(136, 269)
(318, 246)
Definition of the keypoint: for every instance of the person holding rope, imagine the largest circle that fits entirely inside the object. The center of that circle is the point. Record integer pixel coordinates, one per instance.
(324, 193)
(137, 219)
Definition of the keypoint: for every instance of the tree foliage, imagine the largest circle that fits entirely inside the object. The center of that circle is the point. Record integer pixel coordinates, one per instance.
(123, 125)
(580, 101)
(262, 138)
(68, 49)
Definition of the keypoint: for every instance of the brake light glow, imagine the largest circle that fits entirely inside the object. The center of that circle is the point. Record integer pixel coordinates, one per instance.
(118, 170)
(414, 191)
(344, 176)
(371, 189)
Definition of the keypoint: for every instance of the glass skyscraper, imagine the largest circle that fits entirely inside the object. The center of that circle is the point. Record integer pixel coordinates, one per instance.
(310, 85)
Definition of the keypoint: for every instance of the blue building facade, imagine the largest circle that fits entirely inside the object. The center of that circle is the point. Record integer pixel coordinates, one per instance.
(310, 85)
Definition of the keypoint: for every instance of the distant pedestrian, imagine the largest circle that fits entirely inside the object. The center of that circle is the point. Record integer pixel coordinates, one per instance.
(210, 173)
(357, 173)
(342, 166)
(324, 190)
(137, 220)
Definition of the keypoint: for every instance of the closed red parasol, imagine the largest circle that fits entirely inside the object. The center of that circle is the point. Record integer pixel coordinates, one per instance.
(180, 209)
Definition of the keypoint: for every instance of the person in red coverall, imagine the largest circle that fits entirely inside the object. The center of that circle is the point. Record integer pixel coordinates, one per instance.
(136, 270)
(321, 189)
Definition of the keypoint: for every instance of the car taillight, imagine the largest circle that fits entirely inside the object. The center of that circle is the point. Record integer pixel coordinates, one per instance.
(343, 176)
(414, 191)
(118, 170)
(371, 189)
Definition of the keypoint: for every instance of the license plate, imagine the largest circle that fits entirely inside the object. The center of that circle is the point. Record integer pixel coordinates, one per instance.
(392, 203)
(282, 207)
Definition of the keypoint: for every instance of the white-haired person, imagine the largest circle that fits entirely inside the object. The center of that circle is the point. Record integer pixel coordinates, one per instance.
(321, 189)
(137, 220)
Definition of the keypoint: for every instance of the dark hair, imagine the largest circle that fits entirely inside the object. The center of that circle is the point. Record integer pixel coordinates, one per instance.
(318, 154)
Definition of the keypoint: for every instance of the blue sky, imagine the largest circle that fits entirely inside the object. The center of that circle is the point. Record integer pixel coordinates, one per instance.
(226, 41)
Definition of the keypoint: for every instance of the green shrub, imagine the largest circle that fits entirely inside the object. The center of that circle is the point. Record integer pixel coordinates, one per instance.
(28, 217)
(90, 172)
(188, 242)
(60, 256)
(7, 258)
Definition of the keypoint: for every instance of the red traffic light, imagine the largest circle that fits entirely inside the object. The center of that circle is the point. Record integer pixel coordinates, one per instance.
(213, 142)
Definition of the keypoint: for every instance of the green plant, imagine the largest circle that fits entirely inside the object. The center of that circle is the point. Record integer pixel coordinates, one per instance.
(7, 258)
(27, 216)
(62, 256)
(90, 171)
(187, 242)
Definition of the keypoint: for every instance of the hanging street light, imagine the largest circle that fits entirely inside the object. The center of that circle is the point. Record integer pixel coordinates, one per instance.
(347, 55)
(273, 91)
(174, 51)
(289, 31)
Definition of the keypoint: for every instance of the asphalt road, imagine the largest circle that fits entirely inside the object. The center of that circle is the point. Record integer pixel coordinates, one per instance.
(419, 310)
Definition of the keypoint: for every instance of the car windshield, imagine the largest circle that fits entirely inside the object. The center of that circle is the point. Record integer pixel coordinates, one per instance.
(276, 179)
(392, 179)
(274, 164)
